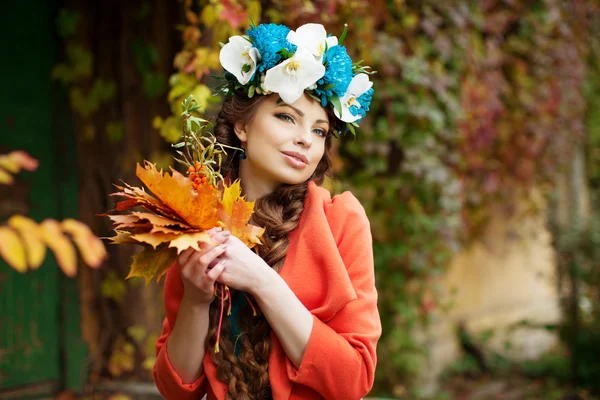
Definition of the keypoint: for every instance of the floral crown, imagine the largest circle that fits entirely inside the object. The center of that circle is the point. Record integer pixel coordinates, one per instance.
(272, 58)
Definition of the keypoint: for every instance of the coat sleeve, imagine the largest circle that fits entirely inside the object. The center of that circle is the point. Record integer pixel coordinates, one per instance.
(168, 382)
(340, 357)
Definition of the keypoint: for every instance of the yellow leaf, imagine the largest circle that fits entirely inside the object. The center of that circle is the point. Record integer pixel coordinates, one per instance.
(63, 250)
(198, 209)
(234, 214)
(29, 232)
(230, 195)
(12, 249)
(150, 263)
(148, 363)
(185, 241)
(17, 160)
(137, 332)
(154, 239)
(90, 246)
(5, 178)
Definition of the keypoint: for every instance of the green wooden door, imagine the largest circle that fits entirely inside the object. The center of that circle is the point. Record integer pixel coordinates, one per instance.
(40, 348)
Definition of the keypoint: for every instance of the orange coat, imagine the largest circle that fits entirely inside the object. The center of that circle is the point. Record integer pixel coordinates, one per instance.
(329, 266)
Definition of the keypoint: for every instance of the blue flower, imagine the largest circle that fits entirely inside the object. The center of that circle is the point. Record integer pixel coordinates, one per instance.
(338, 72)
(269, 39)
(365, 101)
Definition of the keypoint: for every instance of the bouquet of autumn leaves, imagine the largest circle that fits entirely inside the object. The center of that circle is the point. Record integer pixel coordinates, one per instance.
(182, 208)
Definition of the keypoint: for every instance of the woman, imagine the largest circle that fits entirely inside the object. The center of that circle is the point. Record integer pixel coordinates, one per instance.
(317, 325)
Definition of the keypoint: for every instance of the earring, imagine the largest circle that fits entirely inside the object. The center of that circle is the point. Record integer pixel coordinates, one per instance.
(243, 155)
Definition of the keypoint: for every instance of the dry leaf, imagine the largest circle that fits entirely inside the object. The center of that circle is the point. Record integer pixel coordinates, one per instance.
(197, 209)
(185, 241)
(235, 213)
(158, 220)
(154, 239)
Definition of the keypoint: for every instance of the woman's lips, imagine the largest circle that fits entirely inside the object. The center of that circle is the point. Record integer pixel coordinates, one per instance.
(296, 160)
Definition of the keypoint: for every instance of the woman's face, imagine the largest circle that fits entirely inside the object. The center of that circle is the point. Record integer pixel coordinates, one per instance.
(284, 143)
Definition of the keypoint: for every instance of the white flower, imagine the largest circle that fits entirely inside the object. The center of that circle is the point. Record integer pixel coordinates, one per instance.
(239, 55)
(292, 76)
(314, 38)
(358, 86)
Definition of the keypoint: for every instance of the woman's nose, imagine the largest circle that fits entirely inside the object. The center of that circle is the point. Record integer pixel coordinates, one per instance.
(304, 138)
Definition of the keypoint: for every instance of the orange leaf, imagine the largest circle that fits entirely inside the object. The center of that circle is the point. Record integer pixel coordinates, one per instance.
(91, 248)
(63, 249)
(187, 240)
(29, 232)
(12, 249)
(150, 263)
(198, 209)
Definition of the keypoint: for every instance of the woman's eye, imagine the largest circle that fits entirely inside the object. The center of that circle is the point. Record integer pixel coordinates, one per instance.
(321, 132)
(285, 117)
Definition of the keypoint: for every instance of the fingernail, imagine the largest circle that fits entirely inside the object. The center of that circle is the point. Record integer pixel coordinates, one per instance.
(223, 246)
(226, 233)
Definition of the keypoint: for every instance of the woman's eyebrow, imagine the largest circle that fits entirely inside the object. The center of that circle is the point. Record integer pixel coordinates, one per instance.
(300, 112)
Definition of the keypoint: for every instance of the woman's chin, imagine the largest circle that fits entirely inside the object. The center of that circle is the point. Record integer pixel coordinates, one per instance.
(292, 179)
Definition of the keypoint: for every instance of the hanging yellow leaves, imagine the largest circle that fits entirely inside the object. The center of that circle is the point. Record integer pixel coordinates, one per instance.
(23, 244)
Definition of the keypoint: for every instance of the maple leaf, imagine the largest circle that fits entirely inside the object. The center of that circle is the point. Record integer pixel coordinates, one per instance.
(150, 263)
(154, 239)
(185, 241)
(196, 208)
(234, 214)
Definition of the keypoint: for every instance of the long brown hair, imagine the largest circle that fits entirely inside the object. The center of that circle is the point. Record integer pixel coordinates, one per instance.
(279, 212)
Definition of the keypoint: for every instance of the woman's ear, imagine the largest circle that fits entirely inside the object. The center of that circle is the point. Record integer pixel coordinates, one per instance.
(240, 131)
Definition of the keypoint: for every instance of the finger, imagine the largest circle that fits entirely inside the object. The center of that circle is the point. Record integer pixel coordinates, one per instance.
(214, 230)
(185, 256)
(217, 240)
(210, 255)
(222, 233)
(214, 273)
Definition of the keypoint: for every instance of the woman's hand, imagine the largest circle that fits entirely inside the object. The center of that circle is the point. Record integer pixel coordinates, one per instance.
(243, 269)
(200, 269)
